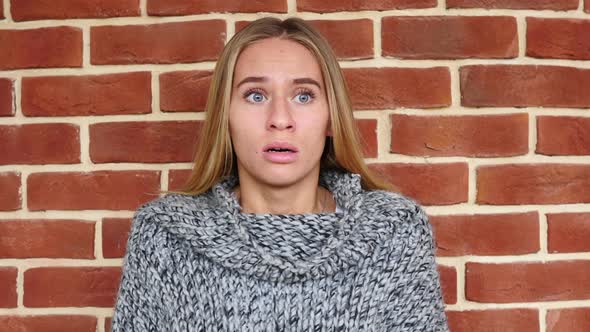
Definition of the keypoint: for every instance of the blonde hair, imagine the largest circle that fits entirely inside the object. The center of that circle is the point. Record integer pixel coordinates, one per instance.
(215, 158)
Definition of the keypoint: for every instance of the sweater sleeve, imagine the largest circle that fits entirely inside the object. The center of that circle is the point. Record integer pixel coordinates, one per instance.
(416, 299)
(136, 307)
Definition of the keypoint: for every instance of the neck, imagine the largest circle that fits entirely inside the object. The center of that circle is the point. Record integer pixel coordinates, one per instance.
(304, 197)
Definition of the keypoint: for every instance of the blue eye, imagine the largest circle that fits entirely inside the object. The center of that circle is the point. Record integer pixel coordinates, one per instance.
(255, 97)
(304, 97)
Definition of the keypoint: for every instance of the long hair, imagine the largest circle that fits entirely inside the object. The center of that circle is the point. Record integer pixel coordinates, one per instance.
(215, 158)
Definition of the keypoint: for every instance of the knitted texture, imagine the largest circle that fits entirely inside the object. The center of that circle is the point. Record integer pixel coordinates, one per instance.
(197, 263)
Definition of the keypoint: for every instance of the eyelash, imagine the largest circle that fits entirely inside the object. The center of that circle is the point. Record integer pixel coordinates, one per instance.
(251, 91)
(306, 91)
(299, 91)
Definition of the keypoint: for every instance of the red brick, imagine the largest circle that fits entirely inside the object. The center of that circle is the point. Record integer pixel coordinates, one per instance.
(568, 232)
(1, 10)
(568, 320)
(10, 198)
(418, 180)
(48, 323)
(327, 6)
(558, 38)
(492, 234)
(7, 288)
(349, 39)
(71, 286)
(563, 135)
(115, 232)
(368, 130)
(515, 4)
(381, 88)
(41, 48)
(188, 7)
(448, 280)
(472, 136)
(43, 143)
(177, 178)
(6, 97)
(527, 282)
(586, 5)
(26, 10)
(533, 184)
(107, 324)
(161, 142)
(175, 42)
(47, 238)
(99, 190)
(184, 90)
(524, 85)
(449, 37)
(521, 320)
(126, 93)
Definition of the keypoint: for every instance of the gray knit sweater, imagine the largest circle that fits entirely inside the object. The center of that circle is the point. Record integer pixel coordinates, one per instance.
(197, 263)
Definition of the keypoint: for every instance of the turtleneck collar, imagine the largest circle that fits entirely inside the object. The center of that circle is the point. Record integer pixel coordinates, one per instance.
(342, 185)
(281, 247)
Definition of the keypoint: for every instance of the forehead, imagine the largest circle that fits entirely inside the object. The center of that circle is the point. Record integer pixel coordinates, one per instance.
(277, 56)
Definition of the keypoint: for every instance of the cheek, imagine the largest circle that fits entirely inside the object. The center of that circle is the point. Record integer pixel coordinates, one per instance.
(313, 131)
(243, 134)
(318, 123)
(237, 125)
(235, 129)
(241, 126)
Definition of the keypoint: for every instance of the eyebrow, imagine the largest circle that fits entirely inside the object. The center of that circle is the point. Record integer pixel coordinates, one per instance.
(258, 79)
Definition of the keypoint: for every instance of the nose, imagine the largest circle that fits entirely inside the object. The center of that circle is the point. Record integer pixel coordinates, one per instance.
(280, 116)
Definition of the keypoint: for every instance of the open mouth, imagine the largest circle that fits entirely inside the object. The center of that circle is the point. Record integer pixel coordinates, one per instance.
(282, 147)
(279, 150)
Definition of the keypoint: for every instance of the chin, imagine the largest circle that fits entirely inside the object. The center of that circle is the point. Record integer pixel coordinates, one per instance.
(281, 178)
(281, 175)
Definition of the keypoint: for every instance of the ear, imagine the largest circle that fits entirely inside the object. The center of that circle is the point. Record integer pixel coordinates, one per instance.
(329, 129)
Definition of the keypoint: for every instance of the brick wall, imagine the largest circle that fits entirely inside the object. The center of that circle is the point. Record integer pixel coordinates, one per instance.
(477, 109)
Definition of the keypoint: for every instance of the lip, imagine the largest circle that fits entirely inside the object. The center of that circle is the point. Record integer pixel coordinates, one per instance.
(279, 145)
(280, 157)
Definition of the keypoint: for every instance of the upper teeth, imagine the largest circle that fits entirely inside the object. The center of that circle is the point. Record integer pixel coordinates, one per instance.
(279, 149)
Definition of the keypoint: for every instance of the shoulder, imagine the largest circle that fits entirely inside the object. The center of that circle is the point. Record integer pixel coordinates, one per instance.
(150, 218)
(150, 235)
(173, 205)
(393, 204)
(399, 212)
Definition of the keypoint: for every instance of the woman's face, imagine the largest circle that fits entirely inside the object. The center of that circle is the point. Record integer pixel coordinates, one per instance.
(278, 114)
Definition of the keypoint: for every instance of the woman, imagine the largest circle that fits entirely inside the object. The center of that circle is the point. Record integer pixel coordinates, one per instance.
(281, 226)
